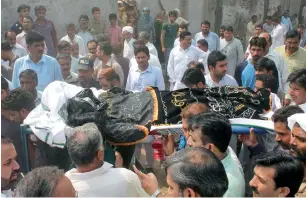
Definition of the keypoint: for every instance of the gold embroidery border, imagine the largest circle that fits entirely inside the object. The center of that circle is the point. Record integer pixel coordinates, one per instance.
(155, 103)
(140, 127)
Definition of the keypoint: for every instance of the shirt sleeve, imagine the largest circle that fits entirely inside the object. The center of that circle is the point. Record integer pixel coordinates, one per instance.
(119, 71)
(128, 86)
(15, 78)
(170, 67)
(247, 79)
(157, 62)
(160, 80)
(58, 73)
(82, 47)
(217, 43)
(240, 54)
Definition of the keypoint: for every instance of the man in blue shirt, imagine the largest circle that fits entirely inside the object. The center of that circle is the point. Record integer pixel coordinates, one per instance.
(257, 50)
(287, 21)
(211, 37)
(46, 67)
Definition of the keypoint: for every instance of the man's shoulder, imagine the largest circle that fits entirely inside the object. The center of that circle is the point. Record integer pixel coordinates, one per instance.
(280, 49)
(21, 60)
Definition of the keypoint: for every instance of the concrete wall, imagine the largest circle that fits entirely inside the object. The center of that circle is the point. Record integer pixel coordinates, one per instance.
(228, 12)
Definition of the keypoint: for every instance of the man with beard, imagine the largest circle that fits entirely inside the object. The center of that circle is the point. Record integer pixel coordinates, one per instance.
(28, 81)
(276, 174)
(9, 167)
(217, 65)
(297, 90)
(245, 72)
(297, 124)
(211, 37)
(146, 24)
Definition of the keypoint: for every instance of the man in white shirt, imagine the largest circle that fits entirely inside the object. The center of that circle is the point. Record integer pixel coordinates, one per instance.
(86, 32)
(9, 166)
(182, 28)
(217, 64)
(297, 90)
(152, 61)
(202, 44)
(93, 177)
(145, 37)
(211, 37)
(92, 52)
(145, 74)
(180, 57)
(233, 49)
(17, 49)
(72, 37)
(128, 49)
(277, 34)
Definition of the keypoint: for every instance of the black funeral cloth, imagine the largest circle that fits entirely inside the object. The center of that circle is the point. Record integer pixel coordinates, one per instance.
(124, 117)
(231, 102)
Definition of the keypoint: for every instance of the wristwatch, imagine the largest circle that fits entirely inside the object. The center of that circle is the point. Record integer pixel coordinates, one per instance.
(157, 192)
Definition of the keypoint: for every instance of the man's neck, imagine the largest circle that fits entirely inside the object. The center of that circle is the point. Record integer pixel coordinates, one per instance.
(205, 34)
(105, 59)
(229, 40)
(89, 168)
(215, 78)
(40, 20)
(35, 59)
(34, 93)
(71, 37)
(83, 28)
(27, 31)
(113, 25)
(86, 84)
(290, 53)
(184, 48)
(12, 57)
(144, 68)
(220, 155)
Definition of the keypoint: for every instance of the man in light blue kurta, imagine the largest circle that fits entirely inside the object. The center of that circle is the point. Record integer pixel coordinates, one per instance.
(46, 67)
(211, 37)
(248, 76)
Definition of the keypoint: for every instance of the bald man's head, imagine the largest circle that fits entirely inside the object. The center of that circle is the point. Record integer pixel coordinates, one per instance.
(268, 38)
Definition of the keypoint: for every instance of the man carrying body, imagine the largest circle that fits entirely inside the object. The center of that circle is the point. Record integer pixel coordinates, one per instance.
(86, 71)
(108, 78)
(211, 37)
(64, 60)
(29, 81)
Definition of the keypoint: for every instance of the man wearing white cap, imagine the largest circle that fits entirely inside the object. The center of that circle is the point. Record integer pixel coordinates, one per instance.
(128, 50)
(297, 124)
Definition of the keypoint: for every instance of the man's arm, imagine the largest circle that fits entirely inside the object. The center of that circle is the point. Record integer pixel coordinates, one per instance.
(240, 54)
(170, 67)
(15, 77)
(160, 80)
(218, 43)
(162, 39)
(128, 86)
(54, 36)
(82, 50)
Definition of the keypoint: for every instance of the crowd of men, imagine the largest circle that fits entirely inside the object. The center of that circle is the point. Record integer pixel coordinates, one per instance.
(136, 51)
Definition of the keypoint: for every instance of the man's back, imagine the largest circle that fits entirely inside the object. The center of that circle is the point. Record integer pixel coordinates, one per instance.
(106, 181)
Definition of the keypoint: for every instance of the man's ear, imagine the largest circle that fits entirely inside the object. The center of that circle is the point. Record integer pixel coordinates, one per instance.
(284, 192)
(100, 155)
(188, 192)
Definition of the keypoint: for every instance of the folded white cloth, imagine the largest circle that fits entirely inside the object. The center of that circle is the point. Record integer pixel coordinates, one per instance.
(128, 29)
(44, 120)
(299, 118)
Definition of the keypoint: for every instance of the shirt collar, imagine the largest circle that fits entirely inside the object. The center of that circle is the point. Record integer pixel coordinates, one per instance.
(149, 69)
(294, 54)
(42, 59)
(74, 175)
(186, 50)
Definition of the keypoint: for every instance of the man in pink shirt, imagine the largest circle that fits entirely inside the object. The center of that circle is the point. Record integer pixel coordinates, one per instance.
(114, 30)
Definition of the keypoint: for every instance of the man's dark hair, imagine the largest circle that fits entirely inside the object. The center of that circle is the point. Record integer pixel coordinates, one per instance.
(40, 7)
(222, 27)
(206, 23)
(268, 81)
(62, 45)
(184, 34)
(83, 16)
(29, 73)
(203, 42)
(289, 172)
(269, 65)
(33, 37)
(5, 140)
(298, 77)
(229, 28)
(276, 19)
(4, 84)
(92, 41)
(254, 16)
(5, 46)
(106, 48)
(172, 13)
(199, 66)
(293, 34)
(112, 16)
(259, 42)
(95, 9)
(195, 167)
(282, 114)
(214, 57)
(144, 49)
(19, 99)
(193, 76)
(40, 182)
(28, 17)
(6, 34)
(301, 26)
(70, 25)
(184, 26)
(23, 6)
(259, 25)
(215, 129)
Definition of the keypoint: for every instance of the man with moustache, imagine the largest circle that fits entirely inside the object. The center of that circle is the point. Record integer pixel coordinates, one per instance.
(245, 72)
(86, 71)
(9, 167)
(297, 88)
(297, 124)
